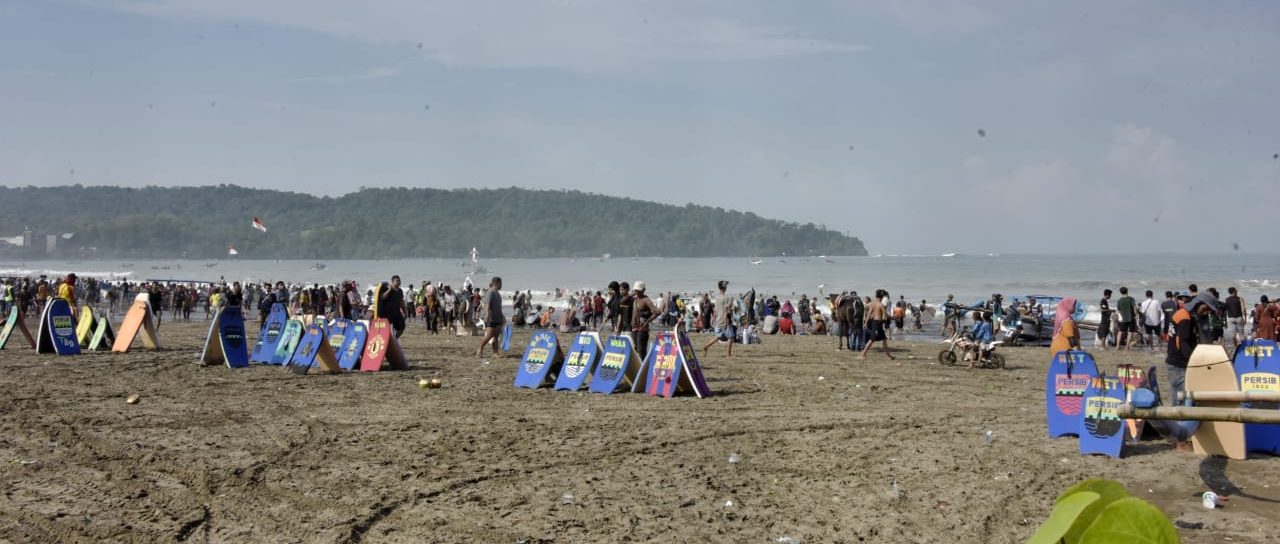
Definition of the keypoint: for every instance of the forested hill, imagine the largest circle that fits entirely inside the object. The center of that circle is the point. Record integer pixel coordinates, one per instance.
(160, 222)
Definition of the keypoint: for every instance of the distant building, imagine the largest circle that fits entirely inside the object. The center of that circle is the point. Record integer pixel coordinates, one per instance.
(51, 243)
(28, 238)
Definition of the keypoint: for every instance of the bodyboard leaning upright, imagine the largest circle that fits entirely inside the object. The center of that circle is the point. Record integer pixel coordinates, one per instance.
(1069, 375)
(16, 322)
(1257, 364)
(139, 323)
(1210, 369)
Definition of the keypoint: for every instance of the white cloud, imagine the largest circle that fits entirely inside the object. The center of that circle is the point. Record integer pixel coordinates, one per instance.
(581, 36)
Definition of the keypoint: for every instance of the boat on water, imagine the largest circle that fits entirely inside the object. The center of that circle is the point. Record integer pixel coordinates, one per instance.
(210, 265)
(756, 261)
(319, 266)
(948, 255)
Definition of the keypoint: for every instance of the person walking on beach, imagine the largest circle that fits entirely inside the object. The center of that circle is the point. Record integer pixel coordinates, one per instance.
(876, 317)
(391, 305)
(493, 318)
(728, 332)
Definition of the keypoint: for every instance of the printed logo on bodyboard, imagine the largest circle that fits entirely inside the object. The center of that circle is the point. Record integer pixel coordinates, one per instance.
(288, 342)
(618, 366)
(269, 336)
(579, 362)
(353, 346)
(541, 362)
(1257, 365)
(57, 329)
(1069, 375)
(1103, 430)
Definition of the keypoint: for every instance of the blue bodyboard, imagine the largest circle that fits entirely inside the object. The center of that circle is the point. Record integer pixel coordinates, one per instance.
(506, 338)
(541, 362)
(579, 362)
(1257, 366)
(1069, 375)
(1102, 430)
(235, 348)
(353, 346)
(57, 332)
(619, 364)
(269, 336)
(289, 338)
(337, 331)
(304, 357)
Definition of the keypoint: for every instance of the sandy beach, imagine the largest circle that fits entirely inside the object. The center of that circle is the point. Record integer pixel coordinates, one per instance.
(821, 441)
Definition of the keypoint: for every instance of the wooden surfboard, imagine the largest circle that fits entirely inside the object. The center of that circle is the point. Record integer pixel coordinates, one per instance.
(1210, 369)
(139, 323)
(16, 322)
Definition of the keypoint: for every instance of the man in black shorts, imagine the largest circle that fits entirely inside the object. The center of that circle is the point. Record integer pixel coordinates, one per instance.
(876, 317)
(1104, 324)
(494, 321)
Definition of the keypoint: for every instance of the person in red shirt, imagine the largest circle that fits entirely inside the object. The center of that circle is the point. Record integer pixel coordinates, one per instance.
(786, 325)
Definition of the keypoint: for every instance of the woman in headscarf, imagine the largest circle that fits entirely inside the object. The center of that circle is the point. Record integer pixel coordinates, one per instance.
(1065, 334)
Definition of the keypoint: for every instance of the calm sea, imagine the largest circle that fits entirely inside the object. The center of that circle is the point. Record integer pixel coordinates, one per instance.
(969, 277)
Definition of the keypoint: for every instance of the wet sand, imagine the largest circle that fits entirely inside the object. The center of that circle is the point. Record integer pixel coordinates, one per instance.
(262, 455)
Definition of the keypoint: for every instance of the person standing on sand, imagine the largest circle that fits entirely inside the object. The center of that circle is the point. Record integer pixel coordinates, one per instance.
(1126, 320)
(1152, 317)
(876, 317)
(728, 332)
(840, 313)
(1266, 316)
(67, 291)
(391, 305)
(644, 312)
(1066, 336)
(1104, 324)
(950, 316)
(1235, 329)
(493, 318)
(625, 303)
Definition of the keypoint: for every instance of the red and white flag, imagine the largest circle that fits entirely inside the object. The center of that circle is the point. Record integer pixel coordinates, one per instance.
(231, 250)
(258, 224)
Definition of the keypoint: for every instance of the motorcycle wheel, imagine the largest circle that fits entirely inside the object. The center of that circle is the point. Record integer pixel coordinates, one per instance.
(947, 358)
(995, 360)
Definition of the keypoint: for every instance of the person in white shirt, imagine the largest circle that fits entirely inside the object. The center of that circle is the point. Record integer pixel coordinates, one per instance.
(1152, 319)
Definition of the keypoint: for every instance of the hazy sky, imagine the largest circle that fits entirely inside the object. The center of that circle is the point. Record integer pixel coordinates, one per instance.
(1110, 126)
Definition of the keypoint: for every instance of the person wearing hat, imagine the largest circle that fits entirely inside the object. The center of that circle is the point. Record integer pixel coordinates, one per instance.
(644, 311)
